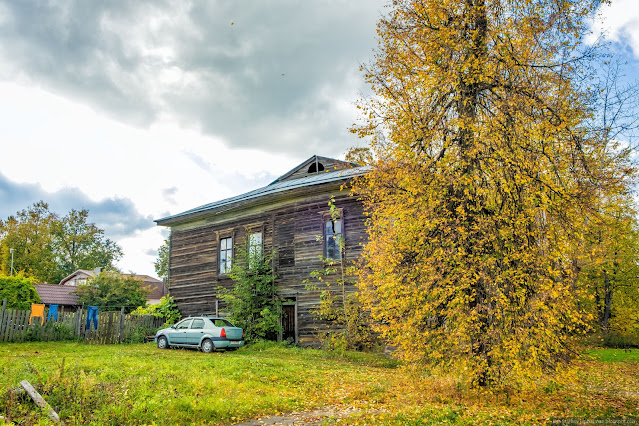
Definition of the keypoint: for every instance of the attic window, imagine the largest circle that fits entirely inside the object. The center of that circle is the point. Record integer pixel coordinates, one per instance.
(316, 167)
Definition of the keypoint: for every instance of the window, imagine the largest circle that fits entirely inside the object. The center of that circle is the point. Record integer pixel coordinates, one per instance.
(184, 324)
(254, 248)
(316, 167)
(197, 324)
(333, 238)
(221, 322)
(226, 253)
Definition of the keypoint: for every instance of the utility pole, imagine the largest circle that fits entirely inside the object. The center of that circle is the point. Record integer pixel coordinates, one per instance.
(11, 272)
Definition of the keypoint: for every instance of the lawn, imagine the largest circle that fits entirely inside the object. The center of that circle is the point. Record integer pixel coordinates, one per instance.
(140, 384)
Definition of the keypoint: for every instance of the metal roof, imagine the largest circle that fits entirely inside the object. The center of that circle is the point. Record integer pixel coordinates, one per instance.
(275, 188)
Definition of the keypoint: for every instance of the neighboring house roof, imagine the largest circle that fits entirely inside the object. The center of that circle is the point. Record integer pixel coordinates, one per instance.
(85, 272)
(55, 294)
(158, 289)
(276, 187)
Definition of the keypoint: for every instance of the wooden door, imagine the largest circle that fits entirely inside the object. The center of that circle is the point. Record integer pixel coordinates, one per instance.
(288, 322)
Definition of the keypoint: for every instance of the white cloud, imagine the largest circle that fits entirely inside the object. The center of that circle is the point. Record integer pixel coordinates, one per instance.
(619, 22)
(58, 144)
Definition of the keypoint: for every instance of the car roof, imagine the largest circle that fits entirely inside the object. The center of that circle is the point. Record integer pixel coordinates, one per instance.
(211, 317)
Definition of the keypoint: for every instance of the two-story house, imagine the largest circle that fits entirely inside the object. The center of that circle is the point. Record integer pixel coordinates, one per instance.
(287, 217)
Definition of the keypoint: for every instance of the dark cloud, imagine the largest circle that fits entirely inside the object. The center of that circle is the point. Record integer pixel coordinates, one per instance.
(117, 216)
(271, 75)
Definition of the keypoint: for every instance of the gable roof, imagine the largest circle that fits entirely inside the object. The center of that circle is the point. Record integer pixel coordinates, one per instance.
(55, 294)
(324, 164)
(276, 187)
(86, 272)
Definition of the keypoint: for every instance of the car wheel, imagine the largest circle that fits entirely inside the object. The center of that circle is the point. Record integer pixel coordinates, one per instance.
(163, 343)
(208, 346)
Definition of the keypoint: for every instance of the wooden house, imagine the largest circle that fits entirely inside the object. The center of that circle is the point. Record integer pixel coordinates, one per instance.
(287, 217)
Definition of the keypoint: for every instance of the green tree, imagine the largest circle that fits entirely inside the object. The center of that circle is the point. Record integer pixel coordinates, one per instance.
(252, 301)
(28, 234)
(48, 248)
(487, 171)
(610, 268)
(19, 291)
(162, 262)
(80, 244)
(112, 291)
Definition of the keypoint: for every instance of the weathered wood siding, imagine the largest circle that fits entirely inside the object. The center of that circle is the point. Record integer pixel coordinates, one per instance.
(289, 227)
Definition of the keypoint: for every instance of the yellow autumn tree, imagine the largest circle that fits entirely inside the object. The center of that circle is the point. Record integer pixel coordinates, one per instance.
(486, 171)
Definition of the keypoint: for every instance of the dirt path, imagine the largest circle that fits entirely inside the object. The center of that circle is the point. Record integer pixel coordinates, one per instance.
(317, 417)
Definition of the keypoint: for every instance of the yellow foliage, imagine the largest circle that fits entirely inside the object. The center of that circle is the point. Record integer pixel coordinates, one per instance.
(485, 176)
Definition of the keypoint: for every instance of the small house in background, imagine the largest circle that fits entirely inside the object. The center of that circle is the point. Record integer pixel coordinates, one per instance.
(54, 294)
(289, 217)
(83, 276)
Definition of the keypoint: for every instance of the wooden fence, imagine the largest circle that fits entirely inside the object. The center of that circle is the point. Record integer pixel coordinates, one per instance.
(113, 327)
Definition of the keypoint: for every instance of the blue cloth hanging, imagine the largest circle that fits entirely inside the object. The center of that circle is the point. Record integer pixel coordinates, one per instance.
(53, 312)
(92, 314)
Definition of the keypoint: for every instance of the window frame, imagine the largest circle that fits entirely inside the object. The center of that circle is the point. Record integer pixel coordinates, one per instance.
(251, 246)
(228, 260)
(328, 217)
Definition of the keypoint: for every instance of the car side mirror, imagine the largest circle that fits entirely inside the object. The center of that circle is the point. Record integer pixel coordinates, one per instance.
(173, 326)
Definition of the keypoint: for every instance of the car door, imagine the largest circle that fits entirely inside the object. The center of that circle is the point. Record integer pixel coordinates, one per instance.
(195, 332)
(177, 335)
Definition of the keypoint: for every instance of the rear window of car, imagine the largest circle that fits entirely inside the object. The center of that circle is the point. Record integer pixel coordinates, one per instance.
(221, 323)
(198, 323)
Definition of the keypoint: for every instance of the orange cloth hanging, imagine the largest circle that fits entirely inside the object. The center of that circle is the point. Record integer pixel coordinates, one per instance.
(37, 311)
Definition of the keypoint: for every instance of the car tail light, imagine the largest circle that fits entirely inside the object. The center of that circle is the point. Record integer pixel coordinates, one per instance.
(223, 333)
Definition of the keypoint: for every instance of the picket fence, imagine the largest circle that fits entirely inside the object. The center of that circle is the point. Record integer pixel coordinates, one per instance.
(113, 327)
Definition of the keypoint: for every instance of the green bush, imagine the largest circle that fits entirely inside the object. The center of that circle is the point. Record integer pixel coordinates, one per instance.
(19, 292)
(620, 342)
(252, 301)
(167, 309)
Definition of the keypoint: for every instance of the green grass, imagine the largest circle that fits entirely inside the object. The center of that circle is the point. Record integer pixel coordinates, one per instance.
(614, 355)
(140, 384)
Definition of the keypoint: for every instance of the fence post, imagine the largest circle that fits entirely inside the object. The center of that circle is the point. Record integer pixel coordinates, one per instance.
(78, 321)
(121, 326)
(3, 314)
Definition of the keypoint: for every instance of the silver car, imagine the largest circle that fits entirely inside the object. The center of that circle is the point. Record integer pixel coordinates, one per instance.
(207, 333)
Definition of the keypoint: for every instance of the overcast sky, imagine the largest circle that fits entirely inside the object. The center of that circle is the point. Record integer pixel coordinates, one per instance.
(141, 109)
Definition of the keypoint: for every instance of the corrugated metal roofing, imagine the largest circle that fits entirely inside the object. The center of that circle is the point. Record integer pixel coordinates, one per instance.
(275, 188)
